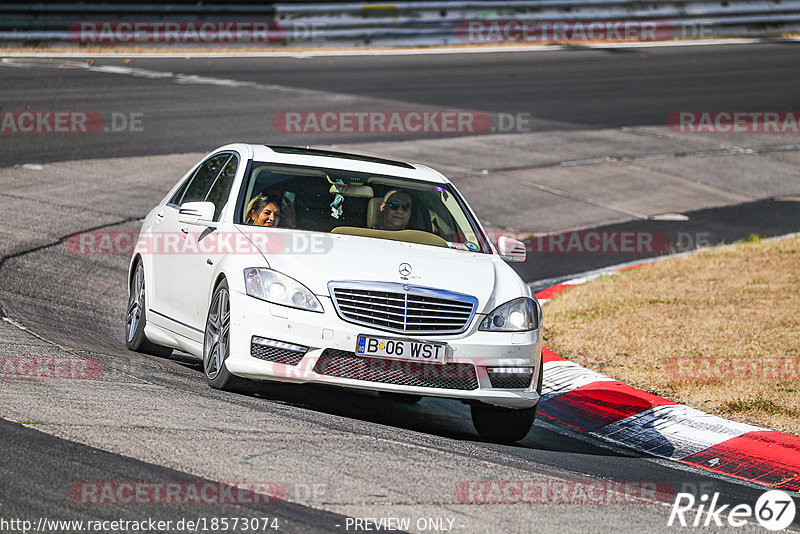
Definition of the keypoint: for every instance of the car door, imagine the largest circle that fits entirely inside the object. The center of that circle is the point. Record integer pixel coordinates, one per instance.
(161, 233)
(212, 253)
(193, 268)
(178, 268)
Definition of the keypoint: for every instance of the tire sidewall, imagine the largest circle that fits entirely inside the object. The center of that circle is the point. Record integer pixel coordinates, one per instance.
(504, 425)
(138, 340)
(223, 376)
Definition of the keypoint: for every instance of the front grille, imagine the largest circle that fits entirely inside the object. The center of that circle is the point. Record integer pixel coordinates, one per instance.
(275, 354)
(402, 307)
(511, 380)
(344, 364)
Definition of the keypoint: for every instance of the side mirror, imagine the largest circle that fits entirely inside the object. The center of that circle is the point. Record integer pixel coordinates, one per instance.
(510, 249)
(197, 213)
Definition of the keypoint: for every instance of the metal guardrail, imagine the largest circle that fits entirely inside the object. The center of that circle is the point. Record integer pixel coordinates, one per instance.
(412, 23)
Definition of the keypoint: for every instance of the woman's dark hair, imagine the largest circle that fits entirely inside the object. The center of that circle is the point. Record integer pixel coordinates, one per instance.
(258, 203)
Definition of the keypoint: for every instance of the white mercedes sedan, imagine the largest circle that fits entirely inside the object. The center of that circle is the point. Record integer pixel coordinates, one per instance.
(312, 266)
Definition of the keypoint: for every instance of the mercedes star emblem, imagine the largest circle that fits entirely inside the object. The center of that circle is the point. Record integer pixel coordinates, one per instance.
(405, 269)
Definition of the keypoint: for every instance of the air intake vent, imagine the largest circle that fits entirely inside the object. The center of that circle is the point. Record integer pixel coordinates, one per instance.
(345, 364)
(273, 350)
(511, 380)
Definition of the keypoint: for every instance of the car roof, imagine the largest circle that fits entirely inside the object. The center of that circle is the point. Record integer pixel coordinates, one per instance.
(344, 161)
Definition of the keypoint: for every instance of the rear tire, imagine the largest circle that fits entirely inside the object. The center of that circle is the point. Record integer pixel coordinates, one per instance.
(503, 425)
(216, 343)
(136, 317)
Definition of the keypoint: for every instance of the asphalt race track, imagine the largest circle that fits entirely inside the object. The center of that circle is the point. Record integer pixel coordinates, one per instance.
(594, 154)
(227, 99)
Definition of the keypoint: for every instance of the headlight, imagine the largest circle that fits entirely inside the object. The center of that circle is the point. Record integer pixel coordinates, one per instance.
(518, 315)
(272, 286)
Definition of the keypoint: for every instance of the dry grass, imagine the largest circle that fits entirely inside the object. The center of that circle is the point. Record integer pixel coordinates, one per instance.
(718, 330)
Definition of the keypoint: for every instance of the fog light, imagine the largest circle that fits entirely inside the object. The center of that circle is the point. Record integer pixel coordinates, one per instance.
(274, 343)
(509, 370)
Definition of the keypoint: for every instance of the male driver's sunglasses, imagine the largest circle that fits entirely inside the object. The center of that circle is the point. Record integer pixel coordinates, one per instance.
(394, 206)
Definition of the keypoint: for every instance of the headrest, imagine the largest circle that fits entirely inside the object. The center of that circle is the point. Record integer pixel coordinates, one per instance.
(374, 212)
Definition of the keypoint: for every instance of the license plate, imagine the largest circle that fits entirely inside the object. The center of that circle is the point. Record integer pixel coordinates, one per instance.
(402, 349)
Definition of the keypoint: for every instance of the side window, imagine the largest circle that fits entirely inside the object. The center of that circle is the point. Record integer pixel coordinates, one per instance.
(176, 198)
(204, 178)
(218, 194)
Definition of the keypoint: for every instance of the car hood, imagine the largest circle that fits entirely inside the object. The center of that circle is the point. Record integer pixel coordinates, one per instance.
(315, 259)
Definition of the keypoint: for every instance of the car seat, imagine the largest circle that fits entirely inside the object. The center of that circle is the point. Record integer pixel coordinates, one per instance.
(374, 212)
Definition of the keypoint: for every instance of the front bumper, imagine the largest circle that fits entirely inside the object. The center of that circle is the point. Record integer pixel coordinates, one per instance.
(331, 342)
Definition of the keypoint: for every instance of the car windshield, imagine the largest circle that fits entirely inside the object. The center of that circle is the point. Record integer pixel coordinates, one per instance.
(356, 203)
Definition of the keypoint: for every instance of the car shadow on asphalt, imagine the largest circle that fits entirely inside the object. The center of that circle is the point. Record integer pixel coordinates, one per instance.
(431, 416)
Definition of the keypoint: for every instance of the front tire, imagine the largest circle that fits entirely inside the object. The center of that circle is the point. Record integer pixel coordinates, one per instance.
(503, 425)
(216, 342)
(136, 317)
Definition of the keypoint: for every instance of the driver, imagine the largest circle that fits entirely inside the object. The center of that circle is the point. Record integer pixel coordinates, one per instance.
(395, 210)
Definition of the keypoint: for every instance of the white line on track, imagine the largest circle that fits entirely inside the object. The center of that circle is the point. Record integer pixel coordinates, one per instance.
(176, 77)
(303, 54)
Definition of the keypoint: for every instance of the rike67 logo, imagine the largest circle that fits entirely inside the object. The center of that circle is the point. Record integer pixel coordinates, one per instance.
(774, 510)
